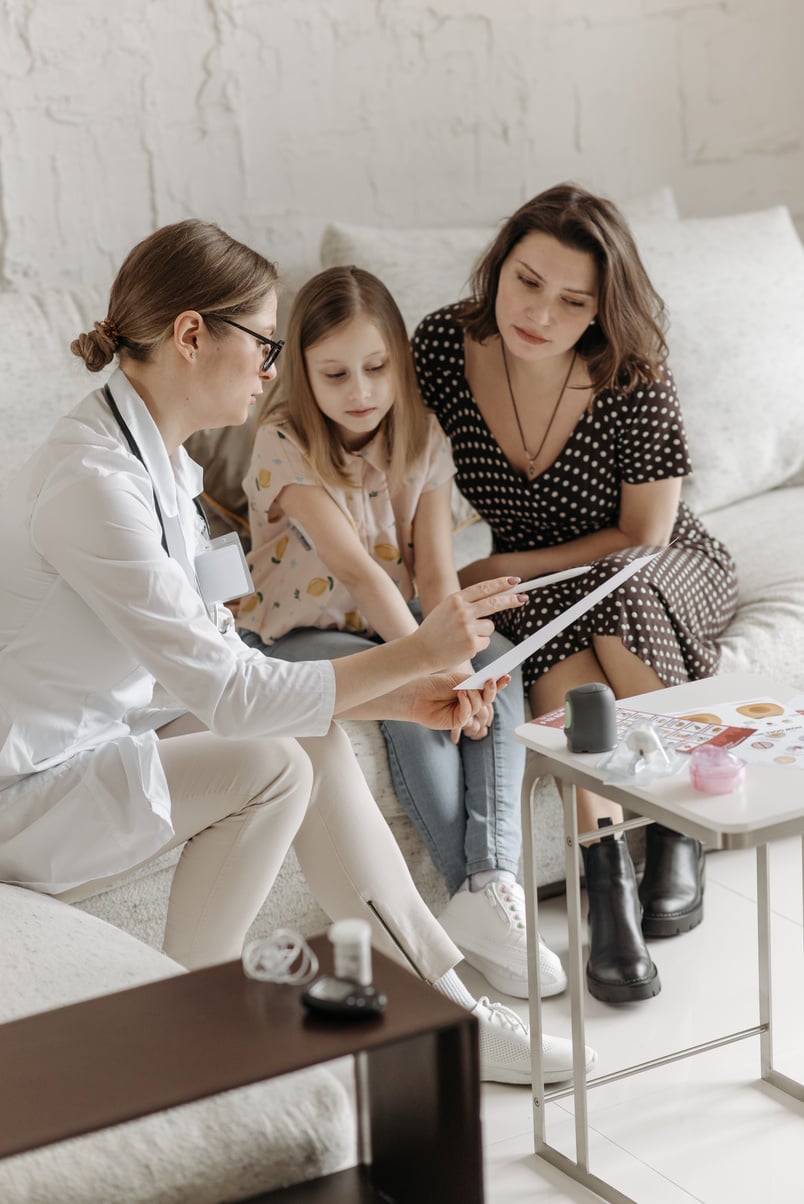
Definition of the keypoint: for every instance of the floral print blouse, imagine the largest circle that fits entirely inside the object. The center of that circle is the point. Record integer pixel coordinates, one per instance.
(293, 586)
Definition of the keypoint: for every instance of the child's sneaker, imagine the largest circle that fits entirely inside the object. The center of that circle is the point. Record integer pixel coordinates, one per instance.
(488, 926)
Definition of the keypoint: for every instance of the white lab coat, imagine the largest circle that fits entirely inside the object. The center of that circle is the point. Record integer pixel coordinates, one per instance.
(104, 638)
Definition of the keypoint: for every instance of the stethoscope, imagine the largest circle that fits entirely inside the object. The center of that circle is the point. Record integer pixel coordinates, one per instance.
(132, 443)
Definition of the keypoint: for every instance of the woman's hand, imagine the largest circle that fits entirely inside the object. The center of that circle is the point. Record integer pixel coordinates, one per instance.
(434, 702)
(457, 629)
(374, 684)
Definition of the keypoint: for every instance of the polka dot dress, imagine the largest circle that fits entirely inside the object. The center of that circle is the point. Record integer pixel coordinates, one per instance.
(671, 613)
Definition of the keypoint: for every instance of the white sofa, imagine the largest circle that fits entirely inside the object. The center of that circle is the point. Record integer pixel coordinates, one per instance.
(735, 291)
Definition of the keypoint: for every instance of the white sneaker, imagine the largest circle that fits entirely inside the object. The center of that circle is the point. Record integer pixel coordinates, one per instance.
(488, 926)
(505, 1048)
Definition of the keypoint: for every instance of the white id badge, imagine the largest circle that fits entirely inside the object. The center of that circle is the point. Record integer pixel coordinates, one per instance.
(222, 572)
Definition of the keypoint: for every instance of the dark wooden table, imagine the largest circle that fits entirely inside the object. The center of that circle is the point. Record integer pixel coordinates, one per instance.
(84, 1067)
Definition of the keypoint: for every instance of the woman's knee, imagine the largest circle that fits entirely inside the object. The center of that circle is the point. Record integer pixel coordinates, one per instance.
(625, 672)
(549, 690)
(331, 753)
(278, 770)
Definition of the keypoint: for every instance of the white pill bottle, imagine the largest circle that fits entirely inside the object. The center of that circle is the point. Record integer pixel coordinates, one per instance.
(351, 941)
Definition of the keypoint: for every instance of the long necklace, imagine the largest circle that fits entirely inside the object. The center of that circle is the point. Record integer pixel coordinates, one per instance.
(532, 458)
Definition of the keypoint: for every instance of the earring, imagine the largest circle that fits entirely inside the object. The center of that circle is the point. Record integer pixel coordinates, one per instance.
(592, 322)
(192, 355)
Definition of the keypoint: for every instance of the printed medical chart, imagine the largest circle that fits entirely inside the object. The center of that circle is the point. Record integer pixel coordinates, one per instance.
(510, 660)
(678, 733)
(759, 730)
(776, 729)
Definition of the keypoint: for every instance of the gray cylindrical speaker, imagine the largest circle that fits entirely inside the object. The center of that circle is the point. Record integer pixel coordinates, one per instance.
(590, 718)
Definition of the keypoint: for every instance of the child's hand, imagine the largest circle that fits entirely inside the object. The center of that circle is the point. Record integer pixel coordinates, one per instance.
(434, 702)
(457, 629)
(477, 727)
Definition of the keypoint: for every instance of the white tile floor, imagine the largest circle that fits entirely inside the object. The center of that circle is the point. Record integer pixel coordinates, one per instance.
(702, 1129)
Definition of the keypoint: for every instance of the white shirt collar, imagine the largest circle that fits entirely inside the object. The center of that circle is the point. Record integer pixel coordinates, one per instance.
(165, 471)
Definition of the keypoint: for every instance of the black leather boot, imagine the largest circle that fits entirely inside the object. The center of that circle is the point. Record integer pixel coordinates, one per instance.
(672, 886)
(619, 969)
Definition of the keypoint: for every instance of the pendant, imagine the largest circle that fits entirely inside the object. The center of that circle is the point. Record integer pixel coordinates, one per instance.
(531, 470)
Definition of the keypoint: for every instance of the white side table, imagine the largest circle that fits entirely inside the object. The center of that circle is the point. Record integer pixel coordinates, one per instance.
(770, 806)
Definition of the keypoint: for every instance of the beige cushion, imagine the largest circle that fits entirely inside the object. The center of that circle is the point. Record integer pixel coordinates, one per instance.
(224, 455)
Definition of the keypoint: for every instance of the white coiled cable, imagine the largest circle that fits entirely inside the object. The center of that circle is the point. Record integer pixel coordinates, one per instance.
(283, 957)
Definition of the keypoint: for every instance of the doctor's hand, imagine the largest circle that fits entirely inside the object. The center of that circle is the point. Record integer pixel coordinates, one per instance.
(460, 626)
(434, 702)
(477, 727)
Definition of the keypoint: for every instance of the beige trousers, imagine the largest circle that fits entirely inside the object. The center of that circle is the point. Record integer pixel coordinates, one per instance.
(240, 804)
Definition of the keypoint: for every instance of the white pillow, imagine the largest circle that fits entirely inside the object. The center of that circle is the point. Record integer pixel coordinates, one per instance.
(734, 288)
(424, 267)
(427, 267)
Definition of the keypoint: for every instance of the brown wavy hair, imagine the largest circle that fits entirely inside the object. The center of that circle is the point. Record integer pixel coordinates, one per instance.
(626, 345)
(188, 265)
(326, 302)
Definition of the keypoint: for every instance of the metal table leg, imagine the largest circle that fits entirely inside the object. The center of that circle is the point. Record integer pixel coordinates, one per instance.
(763, 961)
(578, 1168)
(576, 974)
(775, 1077)
(534, 975)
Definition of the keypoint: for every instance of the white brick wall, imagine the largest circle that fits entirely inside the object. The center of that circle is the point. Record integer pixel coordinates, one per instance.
(271, 116)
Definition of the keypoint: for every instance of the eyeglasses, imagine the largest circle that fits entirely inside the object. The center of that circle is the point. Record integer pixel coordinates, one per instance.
(274, 345)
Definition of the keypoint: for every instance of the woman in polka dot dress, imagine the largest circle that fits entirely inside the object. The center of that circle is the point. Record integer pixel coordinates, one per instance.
(552, 384)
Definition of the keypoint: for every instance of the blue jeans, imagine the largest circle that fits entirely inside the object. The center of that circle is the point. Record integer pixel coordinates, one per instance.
(463, 798)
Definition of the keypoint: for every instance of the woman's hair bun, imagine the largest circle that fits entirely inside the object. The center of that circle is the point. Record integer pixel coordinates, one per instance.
(97, 347)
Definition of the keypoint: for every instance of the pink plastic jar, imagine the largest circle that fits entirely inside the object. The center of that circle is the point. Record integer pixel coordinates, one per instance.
(716, 771)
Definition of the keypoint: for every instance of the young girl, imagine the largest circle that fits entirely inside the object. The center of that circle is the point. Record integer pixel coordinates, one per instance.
(349, 494)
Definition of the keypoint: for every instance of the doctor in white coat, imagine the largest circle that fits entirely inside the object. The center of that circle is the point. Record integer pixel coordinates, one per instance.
(132, 717)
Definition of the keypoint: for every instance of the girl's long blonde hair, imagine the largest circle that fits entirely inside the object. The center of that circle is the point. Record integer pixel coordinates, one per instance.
(326, 302)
